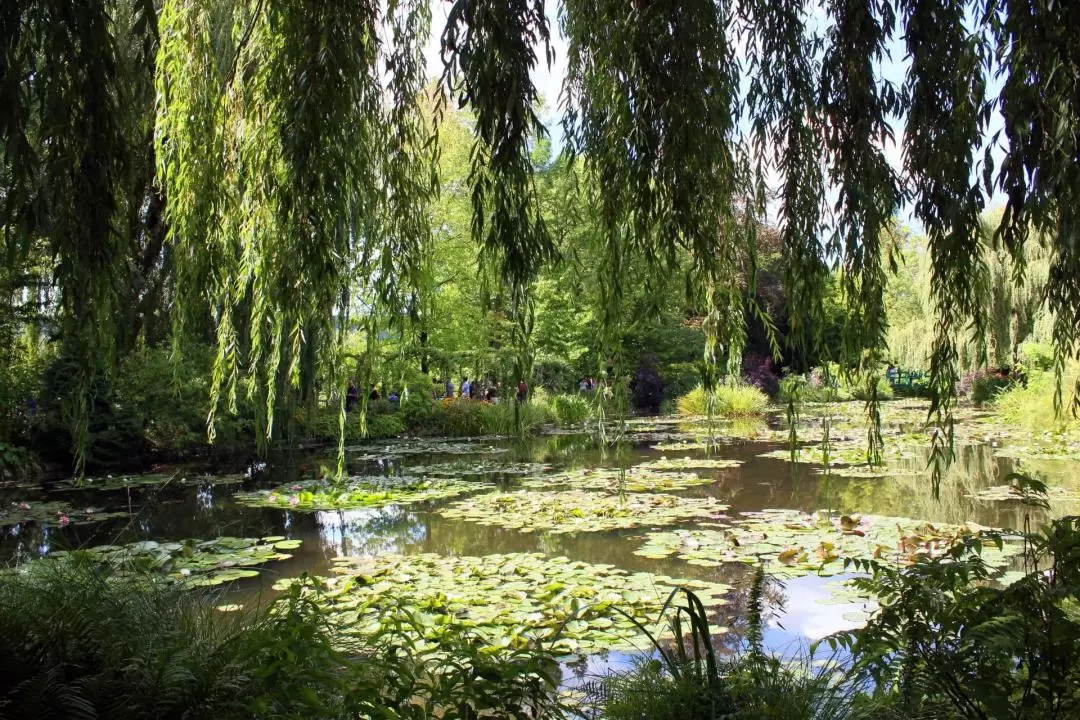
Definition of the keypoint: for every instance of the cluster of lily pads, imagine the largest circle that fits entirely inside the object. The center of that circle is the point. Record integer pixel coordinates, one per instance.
(458, 468)
(152, 479)
(792, 543)
(575, 606)
(634, 479)
(572, 511)
(686, 463)
(356, 492)
(52, 512)
(424, 446)
(198, 563)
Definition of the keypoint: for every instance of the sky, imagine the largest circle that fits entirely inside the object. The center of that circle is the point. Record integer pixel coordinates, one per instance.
(549, 81)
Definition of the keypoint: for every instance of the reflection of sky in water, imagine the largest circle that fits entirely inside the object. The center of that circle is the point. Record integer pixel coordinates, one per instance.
(810, 613)
(369, 531)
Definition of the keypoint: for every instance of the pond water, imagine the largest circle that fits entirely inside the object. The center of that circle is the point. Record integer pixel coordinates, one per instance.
(805, 609)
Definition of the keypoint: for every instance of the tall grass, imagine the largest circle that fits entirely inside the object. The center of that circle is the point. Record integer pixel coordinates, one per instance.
(731, 401)
(1032, 406)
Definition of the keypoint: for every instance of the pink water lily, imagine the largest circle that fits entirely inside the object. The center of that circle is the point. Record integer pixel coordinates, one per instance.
(294, 501)
(64, 520)
(24, 506)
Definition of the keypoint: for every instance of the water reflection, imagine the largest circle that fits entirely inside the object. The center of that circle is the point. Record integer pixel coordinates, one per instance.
(800, 612)
(369, 531)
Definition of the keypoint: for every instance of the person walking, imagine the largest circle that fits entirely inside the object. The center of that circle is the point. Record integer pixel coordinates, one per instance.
(522, 391)
(352, 396)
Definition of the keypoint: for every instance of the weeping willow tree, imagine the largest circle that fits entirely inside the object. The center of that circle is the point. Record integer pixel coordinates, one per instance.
(297, 171)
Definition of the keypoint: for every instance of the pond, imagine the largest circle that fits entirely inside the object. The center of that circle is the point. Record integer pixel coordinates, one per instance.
(493, 516)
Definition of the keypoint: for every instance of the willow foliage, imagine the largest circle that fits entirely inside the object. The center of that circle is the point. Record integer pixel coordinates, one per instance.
(298, 171)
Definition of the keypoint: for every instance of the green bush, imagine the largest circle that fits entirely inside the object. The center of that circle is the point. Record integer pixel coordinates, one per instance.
(948, 643)
(1037, 356)
(385, 425)
(860, 391)
(731, 401)
(570, 410)
(1032, 405)
(812, 390)
(679, 378)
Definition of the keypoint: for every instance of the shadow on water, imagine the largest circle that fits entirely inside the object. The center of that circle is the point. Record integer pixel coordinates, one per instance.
(204, 510)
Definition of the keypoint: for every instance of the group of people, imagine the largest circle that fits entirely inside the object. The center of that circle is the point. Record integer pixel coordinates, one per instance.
(468, 390)
(352, 395)
(483, 390)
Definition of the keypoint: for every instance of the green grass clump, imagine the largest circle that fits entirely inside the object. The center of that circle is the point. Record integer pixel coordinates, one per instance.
(1032, 406)
(731, 401)
(570, 410)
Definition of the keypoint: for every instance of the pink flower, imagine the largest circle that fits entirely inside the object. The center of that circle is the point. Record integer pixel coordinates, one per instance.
(294, 501)
(273, 497)
(295, 487)
(24, 506)
(63, 520)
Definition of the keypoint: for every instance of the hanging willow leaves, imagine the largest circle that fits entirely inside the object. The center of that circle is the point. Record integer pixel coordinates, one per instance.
(1039, 59)
(66, 163)
(947, 114)
(284, 187)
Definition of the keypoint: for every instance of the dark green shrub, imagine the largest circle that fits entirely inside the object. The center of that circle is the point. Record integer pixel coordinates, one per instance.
(556, 376)
(679, 378)
(948, 643)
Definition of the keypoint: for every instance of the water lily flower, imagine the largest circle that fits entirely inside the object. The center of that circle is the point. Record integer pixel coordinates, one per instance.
(295, 487)
(24, 506)
(64, 520)
(294, 501)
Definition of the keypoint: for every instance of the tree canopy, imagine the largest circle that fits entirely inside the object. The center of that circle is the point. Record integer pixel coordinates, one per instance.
(274, 160)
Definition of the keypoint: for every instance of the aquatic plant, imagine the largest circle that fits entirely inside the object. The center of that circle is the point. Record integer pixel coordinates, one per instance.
(194, 563)
(613, 480)
(356, 492)
(509, 600)
(52, 512)
(572, 511)
(793, 543)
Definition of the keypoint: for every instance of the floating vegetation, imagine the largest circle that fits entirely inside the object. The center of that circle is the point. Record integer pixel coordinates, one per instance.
(357, 492)
(480, 467)
(1006, 493)
(688, 445)
(199, 563)
(867, 471)
(633, 479)
(573, 511)
(423, 447)
(507, 599)
(793, 543)
(52, 513)
(685, 463)
(155, 479)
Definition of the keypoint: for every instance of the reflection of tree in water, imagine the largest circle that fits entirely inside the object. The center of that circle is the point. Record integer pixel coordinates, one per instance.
(974, 469)
(369, 531)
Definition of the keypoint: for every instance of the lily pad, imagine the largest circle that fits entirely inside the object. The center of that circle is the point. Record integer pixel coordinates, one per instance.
(633, 479)
(792, 543)
(197, 563)
(121, 482)
(686, 463)
(1005, 493)
(356, 492)
(51, 512)
(458, 468)
(573, 511)
(423, 446)
(505, 597)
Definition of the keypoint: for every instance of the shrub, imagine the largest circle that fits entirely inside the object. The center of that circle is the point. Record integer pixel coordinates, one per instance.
(1032, 405)
(731, 401)
(556, 375)
(983, 385)
(679, 378)
(647, 389)
(1037, 356)
(759, 371)
(385, 425)
(812, 389)
(946, 642)
(738, 400)
(859, 391)
(570, 409)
